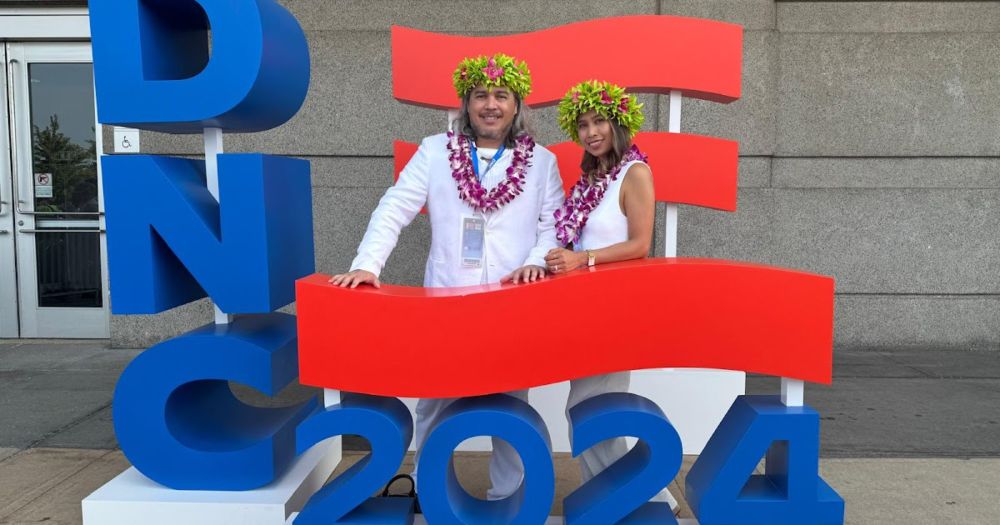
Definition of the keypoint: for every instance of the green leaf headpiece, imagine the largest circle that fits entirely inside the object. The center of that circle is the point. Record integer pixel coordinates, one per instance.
(494, 71)
(603, 97)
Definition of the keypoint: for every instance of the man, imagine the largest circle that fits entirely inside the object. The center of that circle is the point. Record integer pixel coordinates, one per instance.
(491, 194)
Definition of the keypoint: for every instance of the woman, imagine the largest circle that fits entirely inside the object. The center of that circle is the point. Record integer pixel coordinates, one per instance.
(607, 217)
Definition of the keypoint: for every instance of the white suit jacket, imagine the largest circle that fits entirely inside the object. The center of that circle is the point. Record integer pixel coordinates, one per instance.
(519, 233)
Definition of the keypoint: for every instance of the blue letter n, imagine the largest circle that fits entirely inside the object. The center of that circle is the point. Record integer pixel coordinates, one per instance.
(170, 242)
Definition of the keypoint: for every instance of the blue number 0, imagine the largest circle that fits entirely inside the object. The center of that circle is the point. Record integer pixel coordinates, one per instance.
(388, 427)
(442, 498)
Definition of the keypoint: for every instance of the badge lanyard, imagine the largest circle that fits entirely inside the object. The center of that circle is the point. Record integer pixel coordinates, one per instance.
(474, 228)
(475, 160)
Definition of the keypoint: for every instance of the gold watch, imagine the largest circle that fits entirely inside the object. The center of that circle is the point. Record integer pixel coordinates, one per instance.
(591, 258)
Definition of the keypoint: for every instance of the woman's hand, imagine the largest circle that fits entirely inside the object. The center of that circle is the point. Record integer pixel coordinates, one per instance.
(561, 260)
(353, 279)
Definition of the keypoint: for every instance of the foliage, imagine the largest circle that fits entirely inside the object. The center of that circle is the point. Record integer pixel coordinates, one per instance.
(603, 97)
(495, 71)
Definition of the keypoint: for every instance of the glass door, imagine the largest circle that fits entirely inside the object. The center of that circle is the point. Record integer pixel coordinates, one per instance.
(56, 191)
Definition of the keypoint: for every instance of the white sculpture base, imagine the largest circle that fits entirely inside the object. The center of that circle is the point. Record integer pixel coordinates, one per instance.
(553, 520)
(133, 498)
(694, 399)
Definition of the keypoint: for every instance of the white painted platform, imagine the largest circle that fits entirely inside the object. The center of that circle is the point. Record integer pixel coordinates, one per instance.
(553, 520)
(132, 498)
(694, 399)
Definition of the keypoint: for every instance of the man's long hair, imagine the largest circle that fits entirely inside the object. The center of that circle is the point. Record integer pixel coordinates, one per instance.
(520, 126)
(597, 167)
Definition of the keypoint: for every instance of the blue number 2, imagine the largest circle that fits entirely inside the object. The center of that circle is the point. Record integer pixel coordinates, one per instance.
(621, 492)
(388, 427)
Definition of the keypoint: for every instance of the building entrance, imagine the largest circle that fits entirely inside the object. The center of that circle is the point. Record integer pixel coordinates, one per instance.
(52, 266)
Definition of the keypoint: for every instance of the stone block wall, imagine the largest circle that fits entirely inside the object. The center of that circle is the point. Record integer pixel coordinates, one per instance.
(869, 139)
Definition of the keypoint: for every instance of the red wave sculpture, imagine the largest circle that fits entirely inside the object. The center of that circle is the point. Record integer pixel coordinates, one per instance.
(650, 53)
(653, 313)
(687, 169)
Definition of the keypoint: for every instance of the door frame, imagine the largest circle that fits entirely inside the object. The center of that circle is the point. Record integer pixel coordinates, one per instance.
(9, 319)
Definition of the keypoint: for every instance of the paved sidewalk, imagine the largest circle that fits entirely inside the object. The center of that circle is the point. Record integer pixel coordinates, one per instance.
(909, 436)
(47, 485)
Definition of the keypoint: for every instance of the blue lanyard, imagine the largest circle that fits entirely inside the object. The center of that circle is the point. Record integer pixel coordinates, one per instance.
(475, 160)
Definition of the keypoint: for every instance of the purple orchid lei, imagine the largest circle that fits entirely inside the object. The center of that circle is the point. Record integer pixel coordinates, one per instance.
(584, 198)
(471, 190)
(491, 70)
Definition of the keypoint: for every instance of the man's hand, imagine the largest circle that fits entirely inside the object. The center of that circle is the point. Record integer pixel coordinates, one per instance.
(353, 279)
(561, 260)
(525, 274)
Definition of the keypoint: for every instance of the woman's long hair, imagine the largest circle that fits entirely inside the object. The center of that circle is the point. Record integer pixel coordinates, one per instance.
(595, 167)
(520, 125)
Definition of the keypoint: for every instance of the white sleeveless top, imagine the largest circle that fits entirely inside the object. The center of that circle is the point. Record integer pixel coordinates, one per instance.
(606, 224)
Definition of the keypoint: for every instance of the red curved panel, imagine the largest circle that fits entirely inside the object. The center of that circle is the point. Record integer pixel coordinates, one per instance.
(687, 169)
(402, 152)
(452, 342)
(647, 53)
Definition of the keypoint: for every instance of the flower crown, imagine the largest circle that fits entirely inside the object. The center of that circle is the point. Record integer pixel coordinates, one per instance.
(494, 71)
(603, 97)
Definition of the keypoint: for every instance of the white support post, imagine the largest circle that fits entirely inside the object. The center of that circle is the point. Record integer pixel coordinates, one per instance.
(331, 397)
(213, 148)
(670, 225)
(793, 392)
(696, 418)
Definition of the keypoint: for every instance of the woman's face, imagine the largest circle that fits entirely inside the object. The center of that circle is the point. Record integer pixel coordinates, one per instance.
(595, 133)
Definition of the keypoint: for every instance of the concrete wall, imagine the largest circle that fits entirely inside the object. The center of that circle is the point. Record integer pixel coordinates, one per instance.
(869, 139)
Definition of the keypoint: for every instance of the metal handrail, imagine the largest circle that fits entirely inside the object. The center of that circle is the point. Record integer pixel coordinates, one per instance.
(54, 213)
(62, 230)
(13, 129)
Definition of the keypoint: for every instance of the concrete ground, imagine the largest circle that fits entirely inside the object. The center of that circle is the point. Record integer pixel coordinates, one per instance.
(909, 435)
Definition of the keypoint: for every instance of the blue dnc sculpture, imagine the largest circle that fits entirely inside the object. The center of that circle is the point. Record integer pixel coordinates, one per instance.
(170, 241)
(238, 229)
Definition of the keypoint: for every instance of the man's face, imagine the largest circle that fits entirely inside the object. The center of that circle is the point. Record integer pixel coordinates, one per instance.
(491, 112)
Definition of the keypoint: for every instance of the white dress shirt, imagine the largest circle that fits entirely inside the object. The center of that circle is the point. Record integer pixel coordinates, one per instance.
(519, 233)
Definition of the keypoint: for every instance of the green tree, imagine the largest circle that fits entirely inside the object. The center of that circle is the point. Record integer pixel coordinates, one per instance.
(73, 168)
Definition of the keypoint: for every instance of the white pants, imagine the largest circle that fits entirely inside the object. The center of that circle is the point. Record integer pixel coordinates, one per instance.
(506, 471)
(600, 456)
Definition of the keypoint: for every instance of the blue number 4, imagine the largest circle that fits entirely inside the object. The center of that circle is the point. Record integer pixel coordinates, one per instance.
(721, 486)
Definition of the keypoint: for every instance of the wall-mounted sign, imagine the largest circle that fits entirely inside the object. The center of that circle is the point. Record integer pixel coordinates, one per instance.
(126, 140)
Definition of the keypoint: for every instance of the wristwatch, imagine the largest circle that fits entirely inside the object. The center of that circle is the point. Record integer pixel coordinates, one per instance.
(591, 258)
